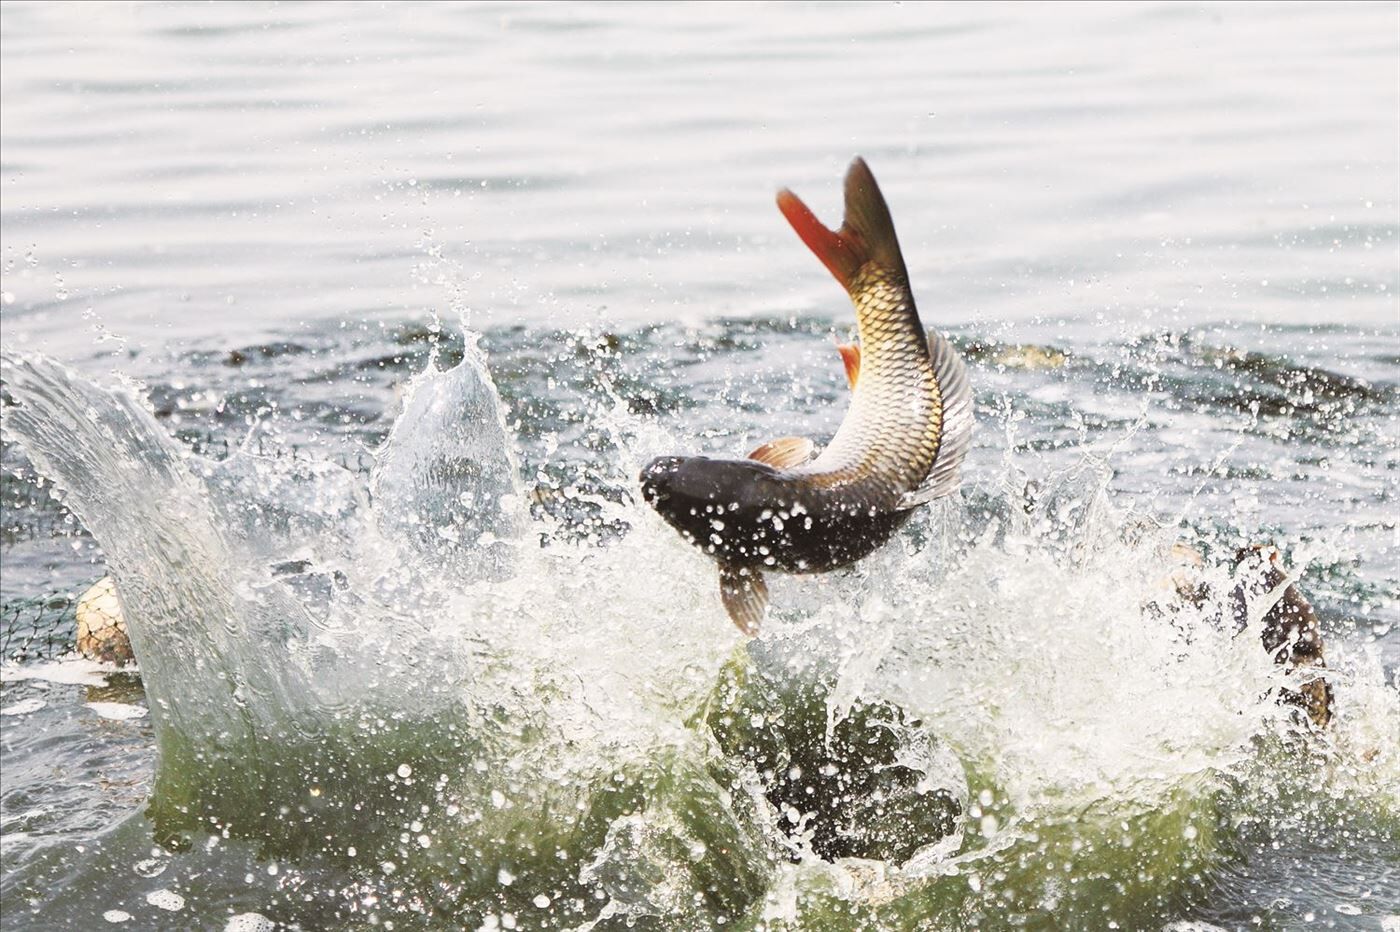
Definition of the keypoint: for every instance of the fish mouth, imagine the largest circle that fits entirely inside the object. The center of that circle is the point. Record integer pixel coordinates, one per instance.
(656, 478)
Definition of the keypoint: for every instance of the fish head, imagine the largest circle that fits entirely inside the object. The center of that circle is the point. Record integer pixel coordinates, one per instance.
(670, 482)
(696, 493)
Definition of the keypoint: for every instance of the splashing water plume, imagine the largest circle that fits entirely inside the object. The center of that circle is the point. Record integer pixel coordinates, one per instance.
(412, 679)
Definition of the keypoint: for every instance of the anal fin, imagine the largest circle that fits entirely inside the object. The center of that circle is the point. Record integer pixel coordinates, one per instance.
(785, 452)
(745, 597)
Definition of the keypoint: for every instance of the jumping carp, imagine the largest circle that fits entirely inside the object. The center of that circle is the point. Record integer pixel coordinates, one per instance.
(787, 508)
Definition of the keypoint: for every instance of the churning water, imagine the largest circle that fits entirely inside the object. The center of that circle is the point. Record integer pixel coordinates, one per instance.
(338, 335)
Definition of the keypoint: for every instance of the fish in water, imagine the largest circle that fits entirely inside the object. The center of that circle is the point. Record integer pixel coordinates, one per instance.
(787, 508)
(1289, 628)
(1266, 596)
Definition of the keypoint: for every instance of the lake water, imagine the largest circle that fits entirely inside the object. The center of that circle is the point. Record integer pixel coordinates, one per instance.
(1166, 237)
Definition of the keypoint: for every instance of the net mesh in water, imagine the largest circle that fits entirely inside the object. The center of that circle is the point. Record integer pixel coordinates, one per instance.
(41, 628)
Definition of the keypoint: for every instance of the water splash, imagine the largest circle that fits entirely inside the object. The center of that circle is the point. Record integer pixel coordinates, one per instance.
(471, 713)
(445, 482)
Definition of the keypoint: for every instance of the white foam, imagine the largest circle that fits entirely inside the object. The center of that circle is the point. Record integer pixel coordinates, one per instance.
(118, 711)
(23, 707)
(73, 671)
(167, 900)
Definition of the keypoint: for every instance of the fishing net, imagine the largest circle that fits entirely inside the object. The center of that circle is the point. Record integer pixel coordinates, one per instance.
(38, 628)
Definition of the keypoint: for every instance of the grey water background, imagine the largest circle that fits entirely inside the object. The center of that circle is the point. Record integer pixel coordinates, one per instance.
(261, 211)
(176, 172)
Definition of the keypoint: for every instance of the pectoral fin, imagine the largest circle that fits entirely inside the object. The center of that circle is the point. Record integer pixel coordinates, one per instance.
(745, 596)
(785, 452)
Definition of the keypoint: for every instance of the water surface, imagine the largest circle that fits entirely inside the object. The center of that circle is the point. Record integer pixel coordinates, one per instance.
(1165, 237)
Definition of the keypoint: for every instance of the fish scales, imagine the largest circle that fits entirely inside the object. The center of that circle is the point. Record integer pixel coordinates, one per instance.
(891, 436)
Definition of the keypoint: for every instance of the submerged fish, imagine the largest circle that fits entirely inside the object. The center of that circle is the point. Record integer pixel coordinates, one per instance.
(1267, 598)
(787, 508)
(1289, 627)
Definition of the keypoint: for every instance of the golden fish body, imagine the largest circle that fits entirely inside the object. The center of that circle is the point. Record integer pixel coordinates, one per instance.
(890, 435)
(900, 444)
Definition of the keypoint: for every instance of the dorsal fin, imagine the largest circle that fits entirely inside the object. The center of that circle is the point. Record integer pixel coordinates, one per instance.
(785, 452)
(955, 438)
(866, 234)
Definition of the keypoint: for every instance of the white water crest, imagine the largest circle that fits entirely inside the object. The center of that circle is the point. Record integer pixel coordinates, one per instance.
(412, 677)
